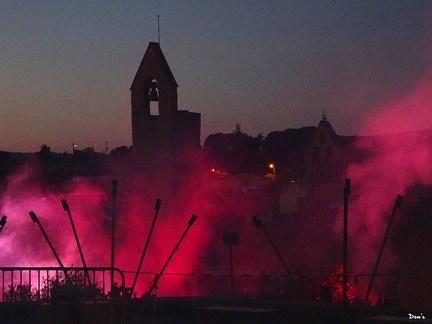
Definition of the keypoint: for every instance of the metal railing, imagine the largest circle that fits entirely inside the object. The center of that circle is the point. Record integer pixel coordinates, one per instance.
(63, 293)
(37, 283)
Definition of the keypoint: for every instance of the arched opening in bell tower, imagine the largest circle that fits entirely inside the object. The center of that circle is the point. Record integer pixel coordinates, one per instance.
(153, 97)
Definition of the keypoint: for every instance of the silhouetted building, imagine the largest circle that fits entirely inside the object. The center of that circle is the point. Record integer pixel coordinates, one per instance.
(324, 144)
(162, 135)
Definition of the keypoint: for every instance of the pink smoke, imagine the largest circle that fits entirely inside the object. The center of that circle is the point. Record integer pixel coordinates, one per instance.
(399, 155)
(91, 204)
(22, 242)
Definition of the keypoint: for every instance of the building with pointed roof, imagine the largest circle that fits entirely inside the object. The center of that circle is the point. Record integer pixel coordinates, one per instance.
(163, 135)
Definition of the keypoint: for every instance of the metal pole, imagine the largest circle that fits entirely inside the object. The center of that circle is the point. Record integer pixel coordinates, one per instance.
(231, 238)
(397, 205)
(258, 224)
(158, 30)
(36, 220)
(231, 271)
(158, 276)
(113, 227)
(347, 191)
(157, 207)
(67, 209)
(3, 222)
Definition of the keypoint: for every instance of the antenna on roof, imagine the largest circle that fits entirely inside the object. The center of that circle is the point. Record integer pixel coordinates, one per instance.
(158, 31)
(324, 117)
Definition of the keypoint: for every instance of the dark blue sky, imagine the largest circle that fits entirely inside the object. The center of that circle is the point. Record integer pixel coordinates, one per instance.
(66, 67)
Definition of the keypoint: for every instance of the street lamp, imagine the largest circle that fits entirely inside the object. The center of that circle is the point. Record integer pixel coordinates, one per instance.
(272, 166)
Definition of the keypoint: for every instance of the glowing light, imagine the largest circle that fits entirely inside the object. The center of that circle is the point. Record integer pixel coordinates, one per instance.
(219, 173)
(273, 167)
(330, 288)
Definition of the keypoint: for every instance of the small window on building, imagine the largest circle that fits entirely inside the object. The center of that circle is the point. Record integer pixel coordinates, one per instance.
(154, 109)
(153, 96)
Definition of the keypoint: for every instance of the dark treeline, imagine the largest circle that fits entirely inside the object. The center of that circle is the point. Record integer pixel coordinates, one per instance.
(50, 168)
(238, 152)
(231, 153)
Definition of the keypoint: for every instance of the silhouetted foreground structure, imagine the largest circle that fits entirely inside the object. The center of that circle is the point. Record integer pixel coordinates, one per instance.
(198, 310)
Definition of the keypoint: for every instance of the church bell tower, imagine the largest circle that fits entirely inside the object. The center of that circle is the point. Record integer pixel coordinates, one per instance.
(161, 134)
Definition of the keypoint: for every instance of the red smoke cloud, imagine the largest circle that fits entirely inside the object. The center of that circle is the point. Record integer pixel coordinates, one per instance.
(400, 154)
(412, 112)
(136, 214)
(91, 206)
(21, 240)
(395, 162)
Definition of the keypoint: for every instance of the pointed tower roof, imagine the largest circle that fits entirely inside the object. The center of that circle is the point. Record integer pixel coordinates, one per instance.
(325, 124)
(154, 63)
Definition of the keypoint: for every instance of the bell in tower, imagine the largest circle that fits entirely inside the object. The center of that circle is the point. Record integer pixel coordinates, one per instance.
(153, 91)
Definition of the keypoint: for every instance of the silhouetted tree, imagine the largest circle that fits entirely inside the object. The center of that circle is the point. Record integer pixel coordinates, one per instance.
(238, 152)
(287, 149)
(237, 129)
(234, 152)
(6, 163)
(120, 151)
(45, 152)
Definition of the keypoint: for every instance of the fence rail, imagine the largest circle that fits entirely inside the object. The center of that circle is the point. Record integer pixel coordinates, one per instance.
(62, 295)
(45, 284)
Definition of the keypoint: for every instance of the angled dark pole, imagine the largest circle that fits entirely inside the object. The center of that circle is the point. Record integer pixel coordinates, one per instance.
(231, 271)
(157, 207)
(113, 228)
(36, 220)
(397, 205)
(259, 224)
(3, 222)
(158, 276)
(347, 191)
(67, 209)
(158, 30)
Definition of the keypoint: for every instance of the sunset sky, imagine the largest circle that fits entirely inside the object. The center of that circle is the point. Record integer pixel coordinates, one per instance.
(66, 67)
